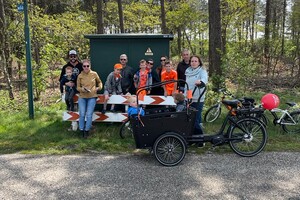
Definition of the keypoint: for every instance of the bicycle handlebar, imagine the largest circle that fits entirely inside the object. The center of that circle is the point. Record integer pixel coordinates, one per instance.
(157, 85)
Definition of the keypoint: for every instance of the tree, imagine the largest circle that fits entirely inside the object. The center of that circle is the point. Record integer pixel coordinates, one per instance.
(100, 25)
(5, 50)
(163, 17)
(283, 27)
(121, 19)
(215, 42)
(267, 29)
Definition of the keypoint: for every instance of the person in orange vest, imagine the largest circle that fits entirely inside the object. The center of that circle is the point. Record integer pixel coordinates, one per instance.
(142, 78)
(166, 75)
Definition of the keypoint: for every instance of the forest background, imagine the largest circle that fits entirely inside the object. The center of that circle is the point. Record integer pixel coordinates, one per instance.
(250, 43)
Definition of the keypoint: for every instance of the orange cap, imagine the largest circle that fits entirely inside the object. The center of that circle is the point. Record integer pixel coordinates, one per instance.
(118, 66)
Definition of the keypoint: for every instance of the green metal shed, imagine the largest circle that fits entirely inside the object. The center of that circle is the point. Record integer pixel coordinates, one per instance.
(105, 50)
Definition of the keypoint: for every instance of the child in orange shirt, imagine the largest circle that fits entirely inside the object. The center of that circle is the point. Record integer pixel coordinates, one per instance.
(142, 78)
(169, 74)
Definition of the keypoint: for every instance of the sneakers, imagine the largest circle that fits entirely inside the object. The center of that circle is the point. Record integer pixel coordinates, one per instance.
(70, 128)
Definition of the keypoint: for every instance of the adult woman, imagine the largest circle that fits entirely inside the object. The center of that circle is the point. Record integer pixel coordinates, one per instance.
(195, 74)
(88, 83)
(159, 70)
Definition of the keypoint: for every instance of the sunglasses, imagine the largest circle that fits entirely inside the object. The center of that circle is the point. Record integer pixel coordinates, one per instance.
(150, 63)
(85, 66)
(162, 60)
(123, 59)
(72, 56)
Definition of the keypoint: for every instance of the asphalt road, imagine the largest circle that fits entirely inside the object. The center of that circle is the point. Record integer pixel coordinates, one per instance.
(207, 176)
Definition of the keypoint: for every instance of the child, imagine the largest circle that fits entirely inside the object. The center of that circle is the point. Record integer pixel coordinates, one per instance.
(142, 78)
(112, 86)
(69, 91)
(180, 103)
(133, 108)
(167, 75)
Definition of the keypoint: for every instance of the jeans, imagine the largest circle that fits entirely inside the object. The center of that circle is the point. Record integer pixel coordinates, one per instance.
(86, 109)
(198, 129)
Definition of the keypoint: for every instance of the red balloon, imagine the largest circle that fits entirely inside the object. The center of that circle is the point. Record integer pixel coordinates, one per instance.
(270, 101)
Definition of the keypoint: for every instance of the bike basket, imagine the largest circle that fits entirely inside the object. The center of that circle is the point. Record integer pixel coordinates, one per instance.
(149, 127)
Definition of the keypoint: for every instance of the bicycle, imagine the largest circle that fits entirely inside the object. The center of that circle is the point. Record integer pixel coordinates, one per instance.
(125, 129)
(288, 120)
(214, 112)
(169, 133)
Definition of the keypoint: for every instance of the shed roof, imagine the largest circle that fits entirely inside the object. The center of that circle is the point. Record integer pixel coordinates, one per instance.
(129, 35)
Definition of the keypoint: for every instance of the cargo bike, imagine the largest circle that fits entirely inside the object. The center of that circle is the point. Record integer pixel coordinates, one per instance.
(168, 133)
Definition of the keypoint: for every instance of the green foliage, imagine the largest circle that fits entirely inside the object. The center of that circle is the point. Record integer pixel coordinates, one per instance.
(40, 74)
(15, 105)
(147, 20)
(240, 66)
(55, 29)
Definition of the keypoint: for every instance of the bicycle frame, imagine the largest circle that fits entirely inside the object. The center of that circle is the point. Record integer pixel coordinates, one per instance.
(279, 120)
(214, 139)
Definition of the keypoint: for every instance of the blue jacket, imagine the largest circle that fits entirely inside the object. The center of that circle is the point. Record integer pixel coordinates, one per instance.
(192, 75)
(134, 111)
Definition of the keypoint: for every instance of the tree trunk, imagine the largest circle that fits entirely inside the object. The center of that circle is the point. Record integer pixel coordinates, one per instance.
(283, 26)
(189, 42)
(274, 22)
(297, 58)
(179, 40)
(224, 26)
(267, 35)
(252, 25)
(121, 19)
(215, 42)
(163, 17)
(5, 50)
(100, 25)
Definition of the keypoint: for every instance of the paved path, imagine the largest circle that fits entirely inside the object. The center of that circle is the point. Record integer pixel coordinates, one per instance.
(208, 176)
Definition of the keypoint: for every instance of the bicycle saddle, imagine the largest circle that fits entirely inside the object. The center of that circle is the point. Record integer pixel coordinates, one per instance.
(291, 104)
(249, 99)
(232, 103)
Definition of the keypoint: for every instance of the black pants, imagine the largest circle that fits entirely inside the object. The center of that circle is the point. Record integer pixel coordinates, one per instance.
(69, 99)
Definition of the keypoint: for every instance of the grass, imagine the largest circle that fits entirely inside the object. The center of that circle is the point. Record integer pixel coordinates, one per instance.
(48, 134)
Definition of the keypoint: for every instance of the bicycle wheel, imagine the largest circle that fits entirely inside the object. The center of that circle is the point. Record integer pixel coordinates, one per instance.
(212, 113)
(247, 137)
(262, 117)
(126, 130)
(292, 128)
(169, 149)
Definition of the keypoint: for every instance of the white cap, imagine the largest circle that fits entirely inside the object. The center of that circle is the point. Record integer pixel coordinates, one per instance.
(72, 52)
